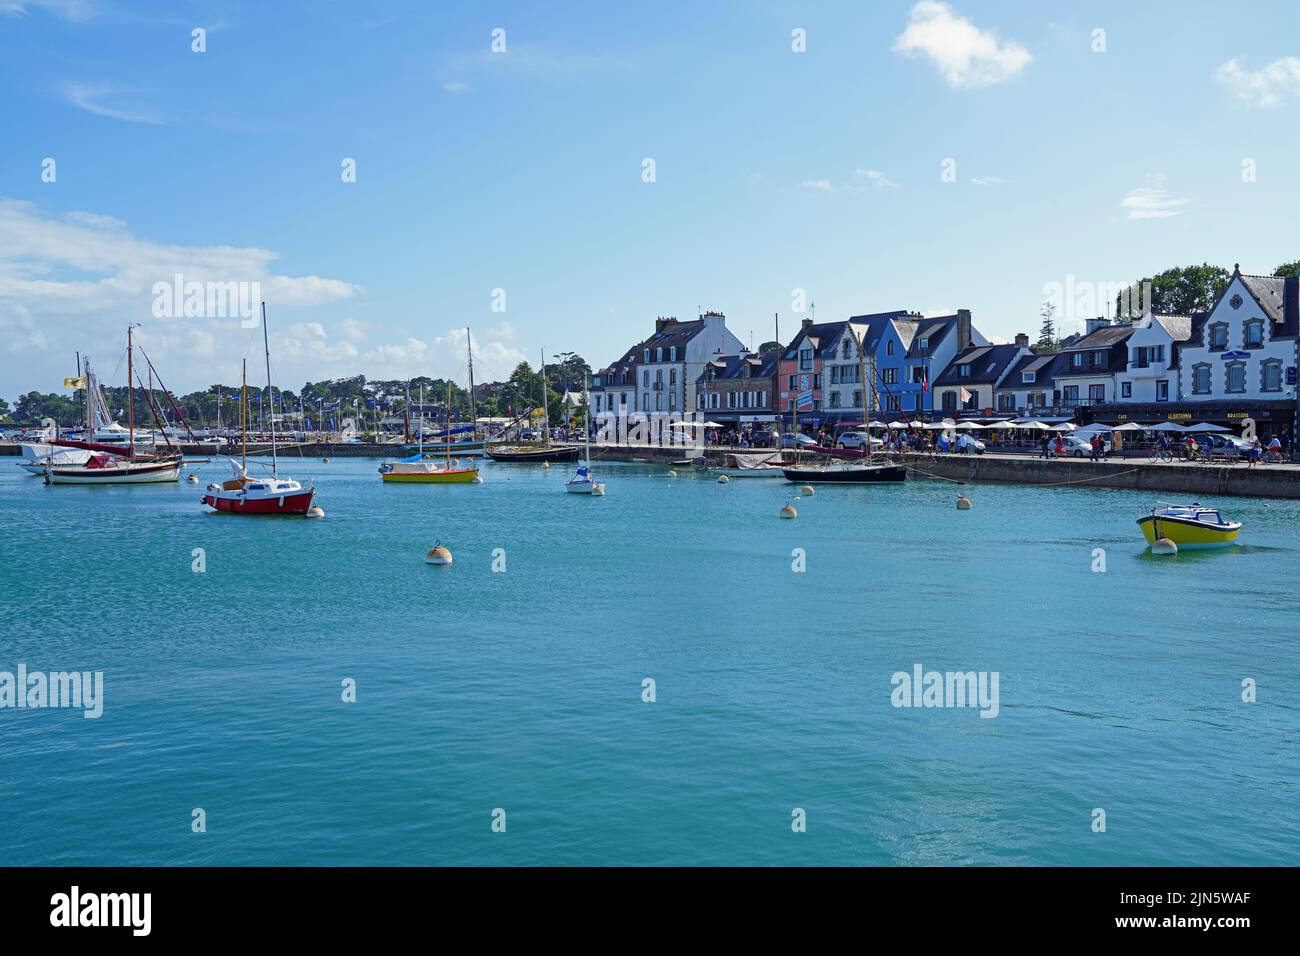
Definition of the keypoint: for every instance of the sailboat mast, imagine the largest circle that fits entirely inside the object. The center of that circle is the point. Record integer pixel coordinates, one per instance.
(473, 413)
(586, 400)
(243, 420)
(866, 404)
(130, 396)
(448, 417)
(546, 412)
(421, 438)
(266, 345)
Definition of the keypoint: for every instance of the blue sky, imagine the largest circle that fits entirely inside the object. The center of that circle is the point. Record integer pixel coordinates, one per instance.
(775, 170)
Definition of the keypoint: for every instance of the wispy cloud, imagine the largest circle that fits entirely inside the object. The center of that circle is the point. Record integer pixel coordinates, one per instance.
(539, 62)
(1264, 88)
(456, 86)
(876, 178)
(1151, 202)
(103, 100)
(987, 180)
(968, 57)
(820, 185)
(75, 11)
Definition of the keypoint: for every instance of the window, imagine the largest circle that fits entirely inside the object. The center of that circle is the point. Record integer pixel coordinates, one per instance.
(1201, 379)
(924, 345)
(892, 404)
(1162, 390)
(963, 371)
(1253, 336)
(792, 384)
(974, 400)
(844, 353)
(889, 376)
(817, 381)
(1125, 389)
(672, 377)
(1098, 359)
(672, 401)
(805, 359)
(1270, 376)
(1076, 360)
(1029, 378)
(1070, 395)
(889, 347)
(1235, 377)
(1219, 337)
(672, 354)
(645, 401)
(647, 356)
(1006, 402)
(949, 401)
(1096, 394)
(857, 399)
(645, 376)
(659, 354)
(835, 399)
(918, 374)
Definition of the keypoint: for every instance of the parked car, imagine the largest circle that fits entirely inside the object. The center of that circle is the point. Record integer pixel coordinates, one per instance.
(1080, 446)
(858, 440)
(969, 443)
(527, 434)
(789, 439)
(1217, 445)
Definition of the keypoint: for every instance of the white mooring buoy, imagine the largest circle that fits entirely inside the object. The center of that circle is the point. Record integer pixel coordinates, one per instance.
(1164, 546)
(787, 511)
(806, 490)
(723, 479)
(192, 479)
(438, 554)
(963, 503)
(315, 511)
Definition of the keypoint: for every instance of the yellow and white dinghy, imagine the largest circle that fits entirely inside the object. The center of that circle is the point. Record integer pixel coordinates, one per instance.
(1189, 526)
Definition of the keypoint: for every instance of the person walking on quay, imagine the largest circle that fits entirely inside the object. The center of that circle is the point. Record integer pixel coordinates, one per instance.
(1094, 443)
(1256, 452)
(1045, 441)
(1162, 447)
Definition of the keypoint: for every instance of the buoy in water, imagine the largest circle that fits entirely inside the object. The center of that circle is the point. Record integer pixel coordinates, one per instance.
(478, 479)
(325, 460)
(1164, 546)
(192, 478)
(315, 511)
(597, 489)
(672, 472)
(438, 554)
(546, 464)
(787, 511)
(723, 479)
(806, 490)
(963, 503)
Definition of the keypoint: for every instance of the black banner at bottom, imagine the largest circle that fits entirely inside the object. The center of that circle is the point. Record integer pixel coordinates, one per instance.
(335, 905)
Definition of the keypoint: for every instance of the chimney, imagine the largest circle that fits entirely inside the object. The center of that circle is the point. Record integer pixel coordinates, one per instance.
(1022, 341)
(1092, 325)
(963, 329)
(807, 323)
(662, 322)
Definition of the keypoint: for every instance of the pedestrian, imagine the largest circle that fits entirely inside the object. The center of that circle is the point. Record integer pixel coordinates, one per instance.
(1060, 446)
(1046, 442)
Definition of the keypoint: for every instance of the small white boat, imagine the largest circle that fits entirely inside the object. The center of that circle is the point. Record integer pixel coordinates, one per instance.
(583, 482)
(36, 463)
(761, 465)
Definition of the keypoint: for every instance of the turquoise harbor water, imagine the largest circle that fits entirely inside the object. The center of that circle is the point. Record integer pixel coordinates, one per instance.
(522, 690)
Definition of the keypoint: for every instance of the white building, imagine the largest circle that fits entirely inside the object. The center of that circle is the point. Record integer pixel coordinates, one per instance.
(1152, 371)
(1246, 347)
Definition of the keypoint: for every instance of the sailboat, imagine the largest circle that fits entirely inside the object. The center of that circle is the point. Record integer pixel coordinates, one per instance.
(429, 471)
(467, 443)
(111, 464)
(584, 482)
(867, 471)
(245, 495)
(527, 453)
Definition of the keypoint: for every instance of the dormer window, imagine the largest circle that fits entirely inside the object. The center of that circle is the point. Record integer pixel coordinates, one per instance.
(1098, 359)
(647, 356)
(963, 371)
(805, 359)
(923, 345)
(1029, 377)
(1076, 360)
(659, 354)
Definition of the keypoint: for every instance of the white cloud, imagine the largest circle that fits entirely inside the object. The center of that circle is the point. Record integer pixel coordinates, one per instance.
(968, 57)
(77, 11)
(353, 330)
(455, 86)
(876, 178)
(1151, 203)
(1264, 88)
(987, 180)
(822, 185)
(92, 99)
(504, 331)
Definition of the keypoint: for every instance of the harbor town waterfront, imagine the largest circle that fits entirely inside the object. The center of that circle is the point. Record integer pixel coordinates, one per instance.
(461, 461)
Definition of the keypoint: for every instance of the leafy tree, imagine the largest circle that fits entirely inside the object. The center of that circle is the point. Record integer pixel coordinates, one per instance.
(1181, 290)
(4, 410)
(1288, 269)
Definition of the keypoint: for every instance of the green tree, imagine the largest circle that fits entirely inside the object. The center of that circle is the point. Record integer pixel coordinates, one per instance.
(1181, 290)
(1047, 331)
(1288, 269)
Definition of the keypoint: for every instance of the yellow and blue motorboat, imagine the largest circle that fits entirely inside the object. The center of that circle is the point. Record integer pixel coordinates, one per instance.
(1189, 526)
